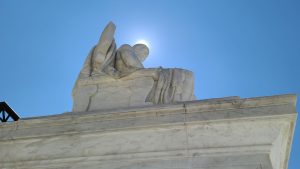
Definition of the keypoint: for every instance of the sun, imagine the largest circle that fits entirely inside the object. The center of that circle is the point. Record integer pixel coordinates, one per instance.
(143, 42)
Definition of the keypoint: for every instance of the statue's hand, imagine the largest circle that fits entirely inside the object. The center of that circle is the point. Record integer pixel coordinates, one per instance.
(106, 39)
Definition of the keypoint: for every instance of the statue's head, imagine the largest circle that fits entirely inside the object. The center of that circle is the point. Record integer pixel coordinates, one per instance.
(141, 51)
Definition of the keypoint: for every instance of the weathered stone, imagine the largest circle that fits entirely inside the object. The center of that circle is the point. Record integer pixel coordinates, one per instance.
(229, 133)
(121, 80)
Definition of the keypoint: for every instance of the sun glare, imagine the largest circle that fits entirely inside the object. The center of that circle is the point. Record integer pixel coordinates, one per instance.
(143, 42)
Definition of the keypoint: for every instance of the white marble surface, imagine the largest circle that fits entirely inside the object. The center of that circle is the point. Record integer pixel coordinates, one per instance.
(114, 77)
(225, 133)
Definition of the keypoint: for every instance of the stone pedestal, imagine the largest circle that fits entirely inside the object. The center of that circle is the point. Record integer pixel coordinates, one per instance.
(226, 133)
(142, 87)
(106, 92)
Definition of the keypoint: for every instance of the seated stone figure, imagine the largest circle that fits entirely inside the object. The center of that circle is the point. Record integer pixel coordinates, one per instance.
(116, 78)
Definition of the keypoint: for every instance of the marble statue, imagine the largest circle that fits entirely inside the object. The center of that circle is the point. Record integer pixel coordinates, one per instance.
(114, 77)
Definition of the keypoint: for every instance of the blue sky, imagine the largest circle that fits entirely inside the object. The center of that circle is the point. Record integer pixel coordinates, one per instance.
(235, 48)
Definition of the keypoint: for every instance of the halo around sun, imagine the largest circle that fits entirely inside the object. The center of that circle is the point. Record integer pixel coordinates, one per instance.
(143, 42)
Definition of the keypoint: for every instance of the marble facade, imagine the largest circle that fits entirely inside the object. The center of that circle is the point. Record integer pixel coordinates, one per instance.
(225, 133)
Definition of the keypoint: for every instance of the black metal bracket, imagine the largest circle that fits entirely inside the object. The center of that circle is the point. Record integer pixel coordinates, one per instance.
(7, 113)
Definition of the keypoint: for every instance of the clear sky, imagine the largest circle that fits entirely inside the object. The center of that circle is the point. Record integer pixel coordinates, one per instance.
(235, 48)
